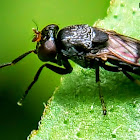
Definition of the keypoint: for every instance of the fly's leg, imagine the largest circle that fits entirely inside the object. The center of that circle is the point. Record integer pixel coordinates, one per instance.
(111, 68)
(100, 94)
(29, 87)
(17, 59)
(67, 69)
(131, 78)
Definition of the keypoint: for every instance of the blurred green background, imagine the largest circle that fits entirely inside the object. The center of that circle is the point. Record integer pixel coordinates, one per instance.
(16, 34)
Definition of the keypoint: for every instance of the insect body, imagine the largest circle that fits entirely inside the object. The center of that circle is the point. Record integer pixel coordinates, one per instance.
(87, 46)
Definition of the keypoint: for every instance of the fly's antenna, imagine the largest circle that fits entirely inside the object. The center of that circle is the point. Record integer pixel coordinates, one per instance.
(35, 24)
(37, 34)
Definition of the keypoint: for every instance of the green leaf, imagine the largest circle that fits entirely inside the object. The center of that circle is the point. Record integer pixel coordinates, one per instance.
(74, 112)
(123, 16)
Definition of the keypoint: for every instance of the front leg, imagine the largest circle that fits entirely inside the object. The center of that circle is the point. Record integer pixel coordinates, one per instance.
(67, 69)
(17, 59)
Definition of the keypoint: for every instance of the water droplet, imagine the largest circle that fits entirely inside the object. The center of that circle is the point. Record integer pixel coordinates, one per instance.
(122, 4)
(115, 16)
(19, 103)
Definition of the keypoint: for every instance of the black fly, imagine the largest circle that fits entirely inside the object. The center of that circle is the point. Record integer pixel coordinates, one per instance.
(87, 46)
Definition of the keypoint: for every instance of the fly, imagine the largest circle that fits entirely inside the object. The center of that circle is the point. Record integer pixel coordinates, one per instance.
(90, 47)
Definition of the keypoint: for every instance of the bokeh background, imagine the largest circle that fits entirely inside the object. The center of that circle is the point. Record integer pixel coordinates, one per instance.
(16, 34)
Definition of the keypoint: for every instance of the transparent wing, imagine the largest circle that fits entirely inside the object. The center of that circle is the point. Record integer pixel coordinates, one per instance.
(125, 48)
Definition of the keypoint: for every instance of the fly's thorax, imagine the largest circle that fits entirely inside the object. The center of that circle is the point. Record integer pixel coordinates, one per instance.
(81, 38)
(77, 40)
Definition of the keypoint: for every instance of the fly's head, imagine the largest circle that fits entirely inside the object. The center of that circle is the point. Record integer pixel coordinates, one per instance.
(50, 31)
(46, 42)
